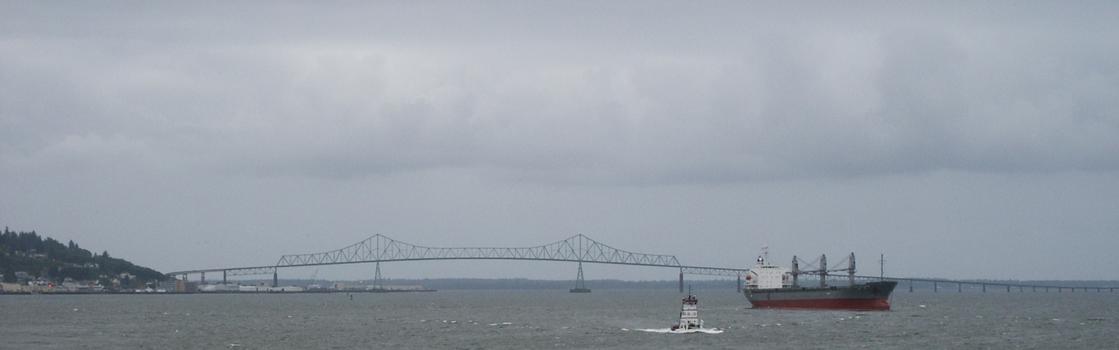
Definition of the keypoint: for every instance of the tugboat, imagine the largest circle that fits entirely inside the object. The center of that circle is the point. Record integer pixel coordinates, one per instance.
(689, 315)
(689, 320)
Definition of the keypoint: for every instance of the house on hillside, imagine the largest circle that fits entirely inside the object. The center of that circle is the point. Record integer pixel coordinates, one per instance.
(13, 288)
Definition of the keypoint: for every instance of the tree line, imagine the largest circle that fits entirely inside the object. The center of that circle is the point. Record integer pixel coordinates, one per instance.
(48, 258)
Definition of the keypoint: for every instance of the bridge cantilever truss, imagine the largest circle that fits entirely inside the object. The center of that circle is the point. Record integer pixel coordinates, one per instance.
(380, 248)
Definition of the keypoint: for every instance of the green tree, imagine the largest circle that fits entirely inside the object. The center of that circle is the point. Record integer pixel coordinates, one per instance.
(9, 274)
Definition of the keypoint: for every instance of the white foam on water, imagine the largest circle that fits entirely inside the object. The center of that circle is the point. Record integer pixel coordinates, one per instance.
(681, 331)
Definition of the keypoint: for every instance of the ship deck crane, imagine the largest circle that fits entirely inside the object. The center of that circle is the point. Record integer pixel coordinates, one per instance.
(822, 269)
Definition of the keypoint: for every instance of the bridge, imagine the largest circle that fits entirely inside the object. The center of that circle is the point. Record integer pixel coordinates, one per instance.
(379, 248)
(577, 249)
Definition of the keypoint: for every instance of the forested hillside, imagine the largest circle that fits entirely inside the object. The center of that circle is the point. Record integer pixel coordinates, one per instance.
(45, 257)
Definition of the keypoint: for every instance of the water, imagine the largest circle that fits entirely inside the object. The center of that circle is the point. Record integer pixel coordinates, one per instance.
(548, 319)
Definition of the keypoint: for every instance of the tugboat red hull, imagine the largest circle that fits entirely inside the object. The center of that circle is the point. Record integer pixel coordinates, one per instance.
(874, 296)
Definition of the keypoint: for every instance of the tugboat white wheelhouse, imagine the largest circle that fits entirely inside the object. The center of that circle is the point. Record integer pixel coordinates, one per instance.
(689, 315)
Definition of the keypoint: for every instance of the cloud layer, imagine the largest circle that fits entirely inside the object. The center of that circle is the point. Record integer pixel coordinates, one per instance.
(905, 127)
(592, 94)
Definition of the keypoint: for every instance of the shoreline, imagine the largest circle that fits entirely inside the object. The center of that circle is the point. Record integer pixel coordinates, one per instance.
(232, 292)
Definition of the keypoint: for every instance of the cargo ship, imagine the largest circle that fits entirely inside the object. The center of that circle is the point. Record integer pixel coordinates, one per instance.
(771, 286)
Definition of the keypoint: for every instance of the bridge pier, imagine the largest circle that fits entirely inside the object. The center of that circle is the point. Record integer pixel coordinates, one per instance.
(936, 288)
(276, 278)
(911, 286)
(223, 280)
(580, 285)
(681, 280)
(377, 283)
(984, 288)
(203, 277)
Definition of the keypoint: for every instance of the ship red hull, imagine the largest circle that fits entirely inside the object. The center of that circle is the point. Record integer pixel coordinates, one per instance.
(836, 304)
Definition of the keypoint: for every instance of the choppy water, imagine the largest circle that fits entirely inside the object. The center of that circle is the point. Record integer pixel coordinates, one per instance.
(548, 319)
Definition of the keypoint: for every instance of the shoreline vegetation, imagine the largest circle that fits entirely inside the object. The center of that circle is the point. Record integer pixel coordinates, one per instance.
(30, 263)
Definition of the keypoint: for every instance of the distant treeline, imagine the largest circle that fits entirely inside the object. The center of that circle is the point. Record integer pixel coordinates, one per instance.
(517, 283)
(719, 284)
(45, 257)
(973, 284)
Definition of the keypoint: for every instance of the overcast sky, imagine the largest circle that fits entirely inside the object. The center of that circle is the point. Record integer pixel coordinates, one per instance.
(961, 140)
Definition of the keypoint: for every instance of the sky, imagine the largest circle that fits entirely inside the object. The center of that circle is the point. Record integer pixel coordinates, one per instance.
(959, 139)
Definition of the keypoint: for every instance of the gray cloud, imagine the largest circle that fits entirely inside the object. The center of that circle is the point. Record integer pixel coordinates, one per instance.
(544, 94)
(665, 101)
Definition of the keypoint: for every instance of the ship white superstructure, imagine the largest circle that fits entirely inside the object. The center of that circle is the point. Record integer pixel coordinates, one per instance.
(766, 276)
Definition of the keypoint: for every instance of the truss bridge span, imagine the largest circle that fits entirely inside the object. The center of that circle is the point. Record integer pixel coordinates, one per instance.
(380, 248)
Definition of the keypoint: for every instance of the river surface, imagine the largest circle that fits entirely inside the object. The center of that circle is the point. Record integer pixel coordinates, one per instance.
(536, 319)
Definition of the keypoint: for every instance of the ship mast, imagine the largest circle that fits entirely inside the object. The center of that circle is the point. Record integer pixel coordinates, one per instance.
(851, 270)
(882, 267)
(796, 271)
(823, 270)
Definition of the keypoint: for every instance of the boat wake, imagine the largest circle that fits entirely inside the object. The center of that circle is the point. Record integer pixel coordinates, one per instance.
(680, 331)
(689, 320)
